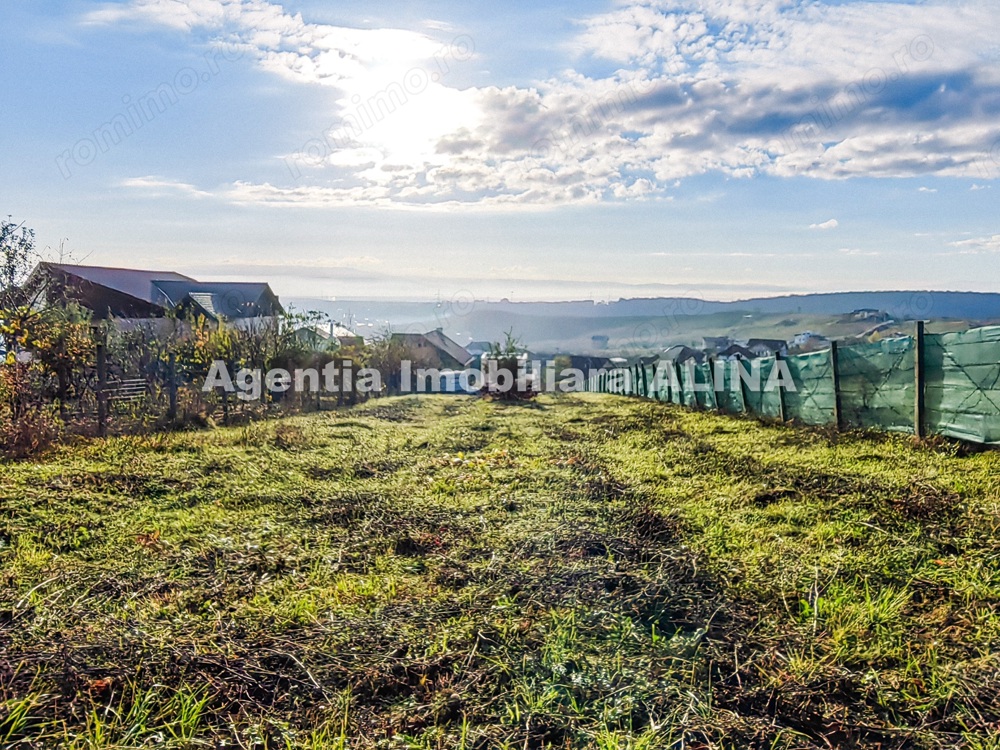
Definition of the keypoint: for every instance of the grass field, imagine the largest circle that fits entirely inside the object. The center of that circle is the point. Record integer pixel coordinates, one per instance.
(584, 572)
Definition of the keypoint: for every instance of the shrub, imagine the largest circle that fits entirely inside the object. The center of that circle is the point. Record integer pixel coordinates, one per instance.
(27, 425)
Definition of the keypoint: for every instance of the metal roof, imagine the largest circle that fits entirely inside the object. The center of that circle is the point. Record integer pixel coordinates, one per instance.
(453, 349)
(133, 282)
(231, 299)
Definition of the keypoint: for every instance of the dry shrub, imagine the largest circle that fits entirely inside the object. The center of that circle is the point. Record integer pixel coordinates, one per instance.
(27, 425)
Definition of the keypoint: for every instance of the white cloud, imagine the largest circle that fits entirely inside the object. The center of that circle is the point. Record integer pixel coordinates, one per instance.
(830, 224)
(161, 186)
(926, 190)
(738, 88)
(978, 246)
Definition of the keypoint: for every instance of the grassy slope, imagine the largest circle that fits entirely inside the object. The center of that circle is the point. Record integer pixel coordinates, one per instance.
(447, 573)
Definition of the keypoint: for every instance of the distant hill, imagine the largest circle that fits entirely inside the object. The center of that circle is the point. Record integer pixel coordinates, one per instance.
(649, 323)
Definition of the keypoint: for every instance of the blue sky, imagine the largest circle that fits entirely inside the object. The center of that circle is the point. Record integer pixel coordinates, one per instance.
(529, 150)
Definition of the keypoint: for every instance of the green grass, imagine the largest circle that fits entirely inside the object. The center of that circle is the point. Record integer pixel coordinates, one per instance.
(584, 572)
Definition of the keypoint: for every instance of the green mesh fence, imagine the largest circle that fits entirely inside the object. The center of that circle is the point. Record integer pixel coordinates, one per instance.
(813, 400)
(727, 380)
(875, 385)
(688, 378)
(961, 388)
(763, 400)
(704, 392)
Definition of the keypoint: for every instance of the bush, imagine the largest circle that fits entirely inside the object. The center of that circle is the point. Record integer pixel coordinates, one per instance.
(27, 425)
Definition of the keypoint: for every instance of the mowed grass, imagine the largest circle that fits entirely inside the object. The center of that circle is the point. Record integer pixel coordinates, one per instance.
(583, 572)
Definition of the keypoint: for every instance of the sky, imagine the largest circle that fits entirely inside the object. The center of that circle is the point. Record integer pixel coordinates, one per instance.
(528, 150)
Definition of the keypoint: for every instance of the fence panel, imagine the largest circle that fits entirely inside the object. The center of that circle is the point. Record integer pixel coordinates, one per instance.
(813, 401)
(728, 394)
(877, 386)
(648, 383)
(704, 395)
(770, 397)
(962, 384)
(688, 378)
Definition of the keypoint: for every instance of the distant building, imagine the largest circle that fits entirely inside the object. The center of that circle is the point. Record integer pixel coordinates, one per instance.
(713, 344)
(599, 342)
(587, 364)
(680, 354)
(870, 314)
(434, 349)
(735, 351)
(333, 337)
(477, 348)
(767, 347)
(132, 294)
(809, 341)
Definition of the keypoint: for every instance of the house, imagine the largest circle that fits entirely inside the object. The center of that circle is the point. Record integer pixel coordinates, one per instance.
(714, 344)
(735, 351)
(434, 349)
(680, 354)
(810, 341)
(133, 294)
(587, 364)
(599, 342)
(323, 338)
(478, 348)
(869, 313)
(767, 347)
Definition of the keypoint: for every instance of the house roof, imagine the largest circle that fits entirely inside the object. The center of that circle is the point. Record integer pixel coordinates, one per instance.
(442, 343)
(772, 344)
(343, 332)
(133, 282)
(230, 299)
(734, 350)
(452, 348)
(680, 353)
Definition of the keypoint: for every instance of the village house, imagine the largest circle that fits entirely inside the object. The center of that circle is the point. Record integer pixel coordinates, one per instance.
(128, 295)
(334, 336)
(434, 350)
(809, 341)
(767, 347)
(679, 354)
(735, 351)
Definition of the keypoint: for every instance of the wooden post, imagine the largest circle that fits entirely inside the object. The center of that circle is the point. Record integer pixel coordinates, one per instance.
(918, 381)
(711, 382)
(102, 388)
(781, 391)
(835, 371)
(172, 387)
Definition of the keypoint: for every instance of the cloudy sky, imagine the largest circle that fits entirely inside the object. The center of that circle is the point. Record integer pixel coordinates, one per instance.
(535, 150)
